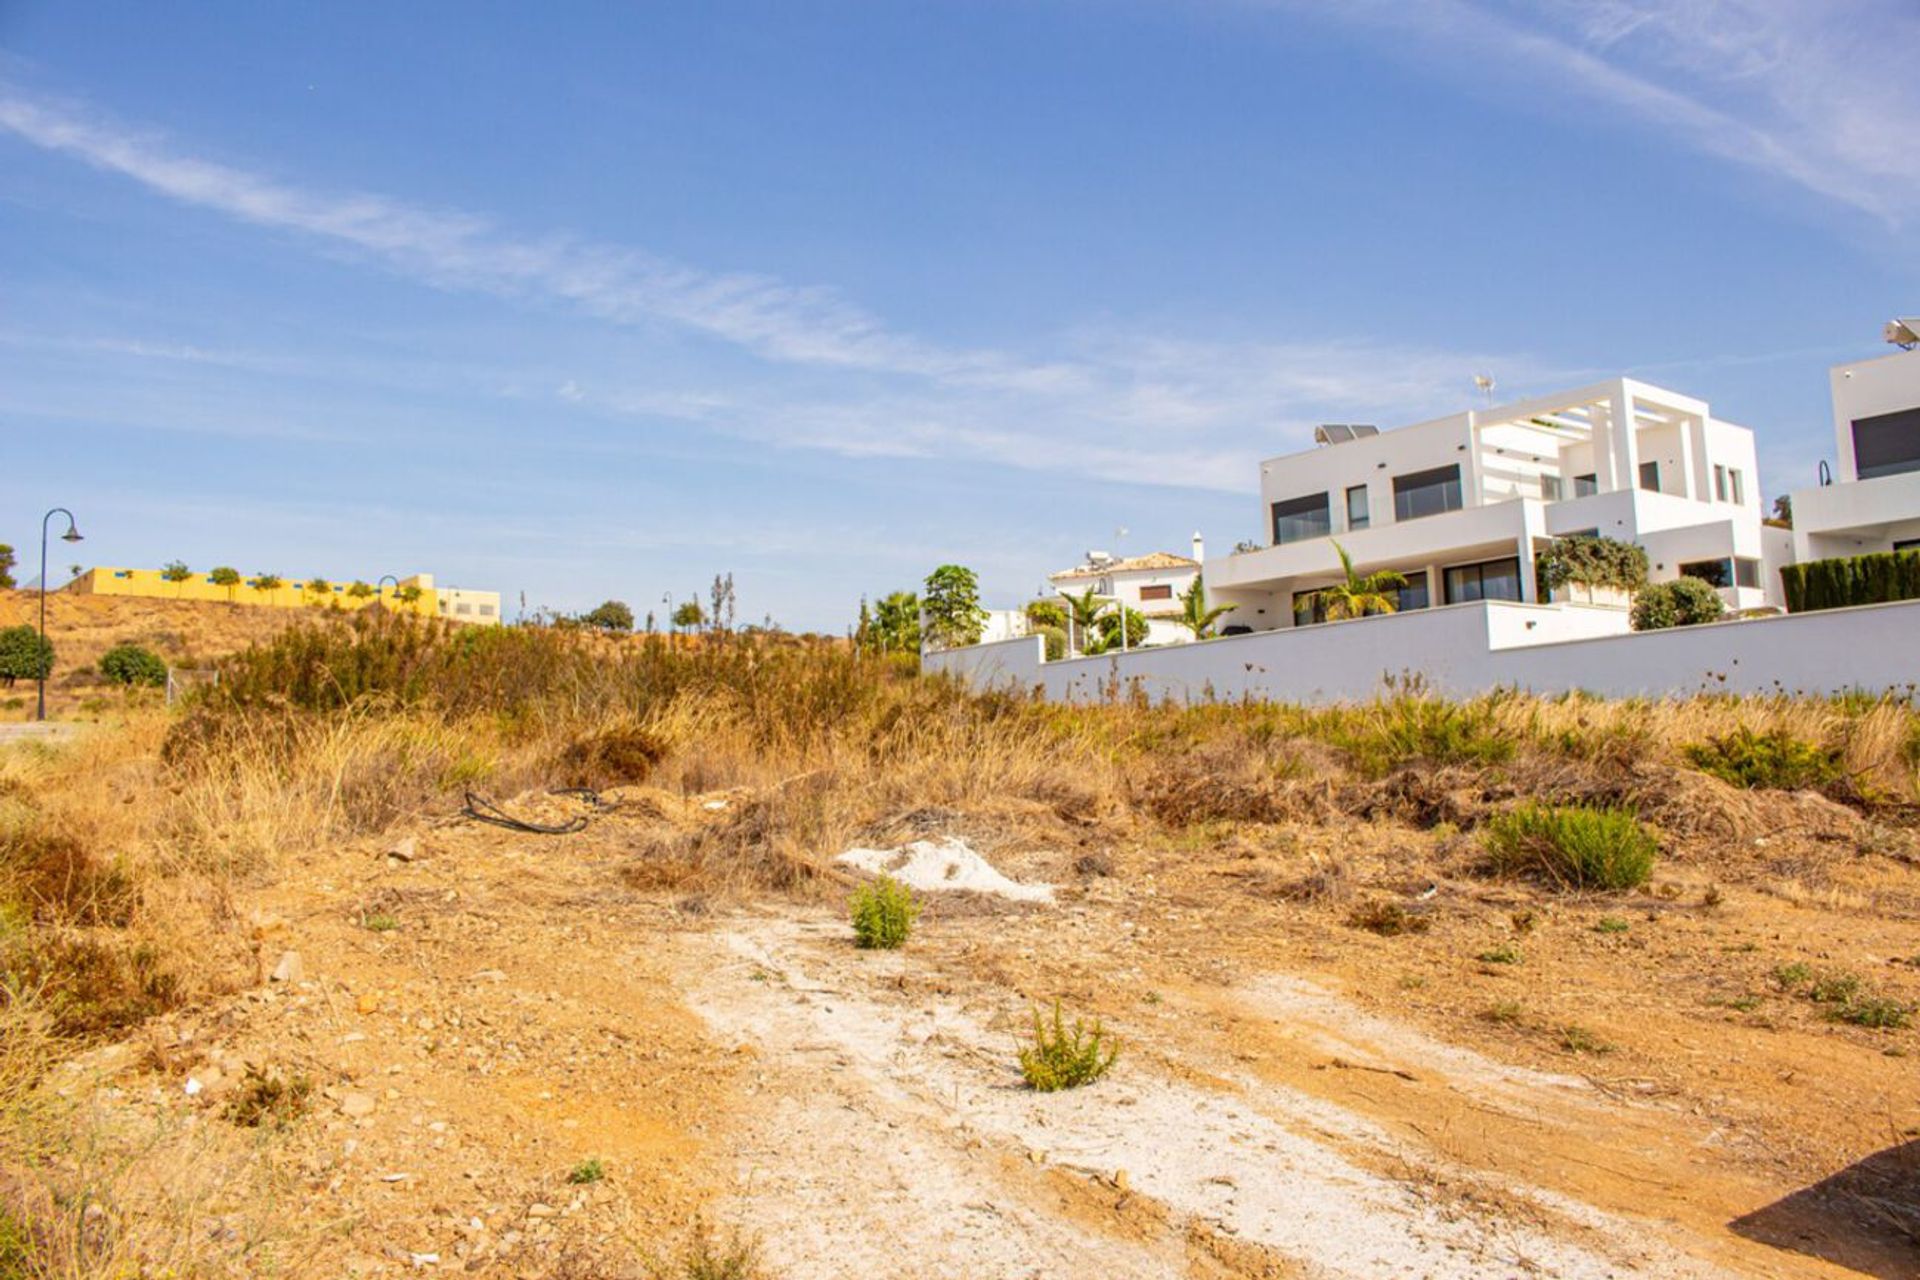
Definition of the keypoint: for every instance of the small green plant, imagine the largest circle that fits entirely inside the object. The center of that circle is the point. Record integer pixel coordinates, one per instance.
(706, 1258)
(1611, 924)
(269, 1099)
(1774, 761)
(379, 922)
(1838, 987)
(587, 1172)
(883, 913)
(1505, 953)
(1388, 919)
(130, 664)
(1878, 1012)
(1577, 1039)
(1789, 976)
(1063, 1057)
(1575, 847)
(1503, 1013)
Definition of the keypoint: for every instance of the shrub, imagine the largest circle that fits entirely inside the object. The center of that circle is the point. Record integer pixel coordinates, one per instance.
(1388, 919)
(1047, 613)
(1771, 761)
(269, 1099)
(1063, 1057)
(1591, 562)
(1874, 578)
(1108, 629)
(587, 1171)
(130, 664)
(1574, 847)
(705, 1258)
(24, 655)
(883, 913)
(1684, 602)
(613, 615)
(1056, 641)
(1409, 727)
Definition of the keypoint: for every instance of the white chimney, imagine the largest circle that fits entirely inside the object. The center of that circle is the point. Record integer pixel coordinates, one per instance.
(1199, 547)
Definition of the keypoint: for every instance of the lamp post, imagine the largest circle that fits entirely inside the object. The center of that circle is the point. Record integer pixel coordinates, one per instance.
(387, 577)
(71, 535)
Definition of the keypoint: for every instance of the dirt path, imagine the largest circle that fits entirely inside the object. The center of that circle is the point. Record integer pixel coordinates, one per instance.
(921, 1143)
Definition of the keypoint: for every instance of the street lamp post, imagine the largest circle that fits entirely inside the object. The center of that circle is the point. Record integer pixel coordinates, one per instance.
(71, 535)
(387, 577)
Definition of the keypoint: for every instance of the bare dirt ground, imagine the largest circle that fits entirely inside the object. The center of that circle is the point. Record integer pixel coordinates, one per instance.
(1533, 1085)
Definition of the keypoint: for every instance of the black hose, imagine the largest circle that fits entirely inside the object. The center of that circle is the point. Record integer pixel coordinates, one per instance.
(481, 809)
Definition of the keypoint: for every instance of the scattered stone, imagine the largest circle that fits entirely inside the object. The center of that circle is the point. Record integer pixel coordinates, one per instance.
(356, 1106)
(405, 849)
(488, 975)
(538, 1210)
(290, 969)
(367, 1002)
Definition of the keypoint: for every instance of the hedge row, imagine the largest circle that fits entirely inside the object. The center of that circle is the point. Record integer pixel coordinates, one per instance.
(1870, 579)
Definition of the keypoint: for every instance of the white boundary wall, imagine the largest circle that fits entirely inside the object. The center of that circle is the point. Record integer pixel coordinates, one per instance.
(1471, 648)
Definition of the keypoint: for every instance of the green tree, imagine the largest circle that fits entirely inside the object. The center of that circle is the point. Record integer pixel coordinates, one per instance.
(1109, 630)
(896, 623)
(130, 664)
(689, 615)
(1047, 612)
(226, 576)
(6, 566)
(360, 590)
(1683, 602)
(1358, 596)
(1195, 614)
(24, 655)
(1591, 562)
(1782, 513)
(408, 594)
(319, 587)
(613, 615)
(268, 582)
(951, 604)
(176, 572)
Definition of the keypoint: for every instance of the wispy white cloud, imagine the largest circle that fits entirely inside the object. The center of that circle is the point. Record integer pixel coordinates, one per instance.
(1822, 95)
(1107, 405)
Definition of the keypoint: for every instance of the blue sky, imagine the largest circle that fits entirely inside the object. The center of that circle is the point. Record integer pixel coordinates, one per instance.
(599, 300)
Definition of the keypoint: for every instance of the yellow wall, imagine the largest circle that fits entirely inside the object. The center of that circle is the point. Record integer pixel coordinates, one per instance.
(148, 582)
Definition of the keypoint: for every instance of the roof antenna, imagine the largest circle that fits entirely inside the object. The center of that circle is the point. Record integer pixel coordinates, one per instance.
(1483, 382)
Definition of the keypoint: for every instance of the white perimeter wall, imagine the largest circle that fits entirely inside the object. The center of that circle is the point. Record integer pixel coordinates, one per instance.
(1875, 648)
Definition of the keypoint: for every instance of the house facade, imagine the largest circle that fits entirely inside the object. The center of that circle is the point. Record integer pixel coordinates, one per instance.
(1151, 584)
(458, 603)
(1870, 500)
(1461, 505)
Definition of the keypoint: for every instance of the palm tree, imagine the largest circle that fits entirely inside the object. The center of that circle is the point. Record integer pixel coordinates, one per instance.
(1195, 616)
(1357, 596)
(1083, 611)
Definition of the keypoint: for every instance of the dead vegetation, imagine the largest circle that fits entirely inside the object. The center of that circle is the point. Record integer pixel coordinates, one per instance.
(737, 769)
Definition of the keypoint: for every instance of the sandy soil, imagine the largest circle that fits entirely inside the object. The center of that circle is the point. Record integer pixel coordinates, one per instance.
(1295, 1097)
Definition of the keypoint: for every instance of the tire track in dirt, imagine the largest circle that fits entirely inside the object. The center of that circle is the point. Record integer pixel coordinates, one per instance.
(922, 1086)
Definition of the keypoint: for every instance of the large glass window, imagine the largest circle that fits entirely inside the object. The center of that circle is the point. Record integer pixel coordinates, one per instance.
(1309, 607)
(1488, 580)
(1357, 512)
(1426, 493)
(1586, 486)
(1550, 489)
(1887, 445)
(1746, 573)
(1715, 573)
(1298, 519)
(1414, 594)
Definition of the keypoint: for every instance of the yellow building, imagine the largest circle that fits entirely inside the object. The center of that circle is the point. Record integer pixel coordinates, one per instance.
(416, 594)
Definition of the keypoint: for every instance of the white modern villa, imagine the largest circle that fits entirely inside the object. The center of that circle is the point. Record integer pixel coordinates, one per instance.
(1460, 505)
(1871, 500)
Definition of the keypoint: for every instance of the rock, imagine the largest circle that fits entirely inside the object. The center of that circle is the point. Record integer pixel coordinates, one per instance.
(290, 969)
(355, 1106)
(1120, 1181)
(366, 1002)
(405, 849)
(537, 1210)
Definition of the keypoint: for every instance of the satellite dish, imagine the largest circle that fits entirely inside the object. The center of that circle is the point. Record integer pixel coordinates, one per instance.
(1903, 333)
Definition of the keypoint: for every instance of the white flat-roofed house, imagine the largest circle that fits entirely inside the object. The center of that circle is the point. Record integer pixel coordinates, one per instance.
(1873, 500)
(1461, 505)
(1152, 584)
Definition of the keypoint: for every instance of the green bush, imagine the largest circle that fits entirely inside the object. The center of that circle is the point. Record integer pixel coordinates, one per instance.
(883, 913)
(130, 664)
(1063, 1057)
(1684, 602)
(1056, 638)
(1771, 761)
(24, 655)
(1390, 732)
(1047, 613)
(1874, 578)
(1591, 562)
(1575, 847)
(1108, 629)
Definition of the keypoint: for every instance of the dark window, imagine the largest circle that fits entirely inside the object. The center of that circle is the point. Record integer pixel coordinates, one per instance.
(1887, 445)
(1298, 519)
(1907, 544)
(1414, 594)
(1719, 482)
(1309, 607)
(1550, 488)
(1650, 476)
(1738, 489)
(1160, 592)
(1582, 533)
(1586, 486)
(1357, 511)
(1746, 573)
(1715, 573)
(1426, 493)
(1488, 580)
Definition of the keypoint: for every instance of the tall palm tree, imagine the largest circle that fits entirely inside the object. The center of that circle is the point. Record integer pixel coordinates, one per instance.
(1357, 596)
(1195, 616)
(1083, 611)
